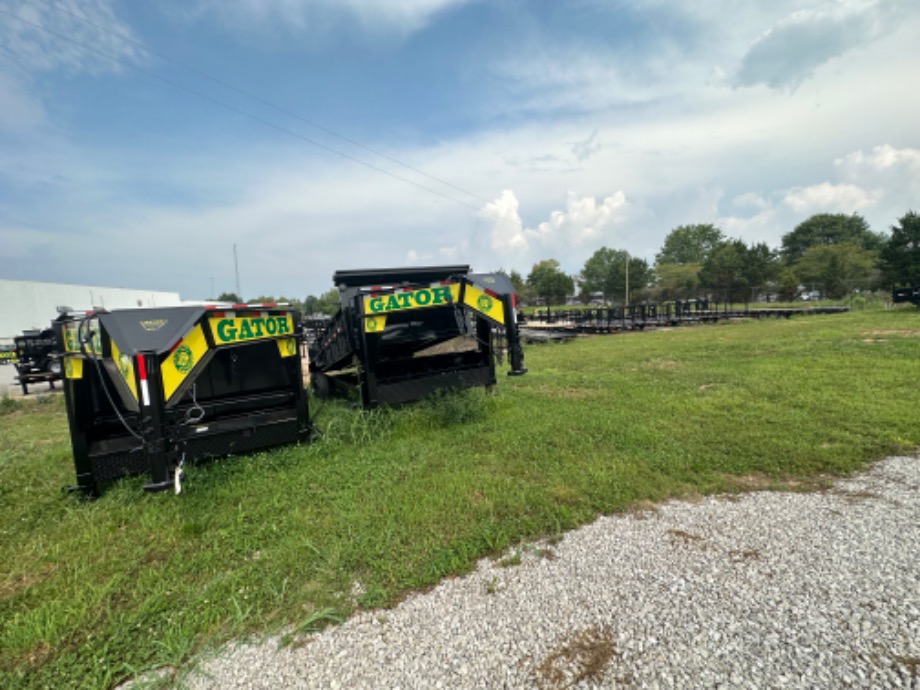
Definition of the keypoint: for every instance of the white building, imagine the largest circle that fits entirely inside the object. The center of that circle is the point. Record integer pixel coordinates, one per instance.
(26, 304)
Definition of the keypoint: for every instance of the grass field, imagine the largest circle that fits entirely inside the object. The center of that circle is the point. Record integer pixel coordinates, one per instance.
(387, 502)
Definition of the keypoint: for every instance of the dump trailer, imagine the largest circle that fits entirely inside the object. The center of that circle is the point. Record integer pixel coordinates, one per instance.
(36, 358)
(150, 389)
(402, 333)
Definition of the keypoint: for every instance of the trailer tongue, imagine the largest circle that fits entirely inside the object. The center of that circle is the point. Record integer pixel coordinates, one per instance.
(403, 333)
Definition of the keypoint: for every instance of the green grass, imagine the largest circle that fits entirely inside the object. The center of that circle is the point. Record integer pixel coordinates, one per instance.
(387, 502)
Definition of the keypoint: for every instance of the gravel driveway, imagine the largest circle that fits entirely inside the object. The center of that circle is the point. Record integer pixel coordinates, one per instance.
(785, 590)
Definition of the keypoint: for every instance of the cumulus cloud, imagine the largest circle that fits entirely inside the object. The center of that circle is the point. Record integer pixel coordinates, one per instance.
(827, 197)
(790, 51)
(885, 168)
(584, 221)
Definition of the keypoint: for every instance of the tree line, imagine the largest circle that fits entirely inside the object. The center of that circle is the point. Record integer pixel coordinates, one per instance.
(829, 254)
(833, 254)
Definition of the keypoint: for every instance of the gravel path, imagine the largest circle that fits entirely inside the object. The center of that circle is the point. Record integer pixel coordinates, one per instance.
(817, 590)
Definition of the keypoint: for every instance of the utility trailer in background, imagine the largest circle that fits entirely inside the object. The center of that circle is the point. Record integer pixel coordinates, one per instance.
(149, 389)
(911, 294)
(403, 333)
(36, 358)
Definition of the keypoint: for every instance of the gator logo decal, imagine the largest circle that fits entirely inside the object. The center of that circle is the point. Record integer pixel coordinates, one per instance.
(243, 328)
(436, 296)
(183, 359)
(484, 302)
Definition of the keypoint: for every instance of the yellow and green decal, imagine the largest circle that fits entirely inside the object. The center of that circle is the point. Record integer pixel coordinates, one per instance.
(73, 367)
(435, 296)
(287, 347)
(240, 329)
(71, 332)
(179, 362)
(485, 304)
(125, 367)
(375, 324)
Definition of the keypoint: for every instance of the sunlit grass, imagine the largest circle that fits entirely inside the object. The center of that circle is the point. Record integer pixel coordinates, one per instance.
(394, 500)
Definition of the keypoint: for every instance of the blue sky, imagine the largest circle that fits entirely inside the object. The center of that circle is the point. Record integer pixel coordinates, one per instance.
(319, 135)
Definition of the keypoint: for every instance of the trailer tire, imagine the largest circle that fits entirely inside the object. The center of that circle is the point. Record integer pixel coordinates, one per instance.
(321, 385)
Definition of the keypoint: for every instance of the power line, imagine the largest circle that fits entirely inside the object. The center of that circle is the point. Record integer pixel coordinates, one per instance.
(263, 101)
(243, 113)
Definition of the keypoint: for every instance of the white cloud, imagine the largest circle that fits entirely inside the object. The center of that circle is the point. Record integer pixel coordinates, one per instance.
(87, 22)
(400, 17)
(889, 170)
(584, 222)
(790, 51)
(829, 198)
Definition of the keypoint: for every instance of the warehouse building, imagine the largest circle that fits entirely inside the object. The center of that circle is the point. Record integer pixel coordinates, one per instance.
(26, 304)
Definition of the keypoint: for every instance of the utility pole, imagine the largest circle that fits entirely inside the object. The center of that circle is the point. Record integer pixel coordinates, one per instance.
(236, 267)
(626, 304)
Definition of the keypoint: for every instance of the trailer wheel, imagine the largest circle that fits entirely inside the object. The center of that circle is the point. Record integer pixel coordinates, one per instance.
(321, 385)
(53, 367)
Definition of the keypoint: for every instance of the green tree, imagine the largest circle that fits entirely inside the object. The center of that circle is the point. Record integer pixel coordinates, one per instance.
(788, 284)
(689, 244)
(547, 280)
(900, 257)
(837, 269)
(329, 302)
(829, 229)
(724, 271)
(605, 272)
(761, 267)
(520, 285)
(677, 281)
(231, 297)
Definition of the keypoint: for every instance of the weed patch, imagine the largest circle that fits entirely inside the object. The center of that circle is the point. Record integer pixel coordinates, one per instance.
(584, 657)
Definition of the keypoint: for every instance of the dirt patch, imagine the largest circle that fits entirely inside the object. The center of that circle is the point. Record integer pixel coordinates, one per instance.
(583, 657)
(903, 332)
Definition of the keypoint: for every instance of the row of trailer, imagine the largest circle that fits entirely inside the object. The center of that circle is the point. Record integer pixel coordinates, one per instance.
(149, 390)
(642, 316)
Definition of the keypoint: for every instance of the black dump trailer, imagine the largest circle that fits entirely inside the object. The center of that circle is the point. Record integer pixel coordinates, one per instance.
(403, 333)
(149, 389)
(911, 294)
(36, 358)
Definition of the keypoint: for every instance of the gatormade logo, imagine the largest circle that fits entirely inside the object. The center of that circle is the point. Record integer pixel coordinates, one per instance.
(484, 303)
(183, 359)
(371, 324)
(153, 324)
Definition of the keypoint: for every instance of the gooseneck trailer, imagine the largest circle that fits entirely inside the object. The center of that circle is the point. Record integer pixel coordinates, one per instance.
(402, 333)
(149, 389)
